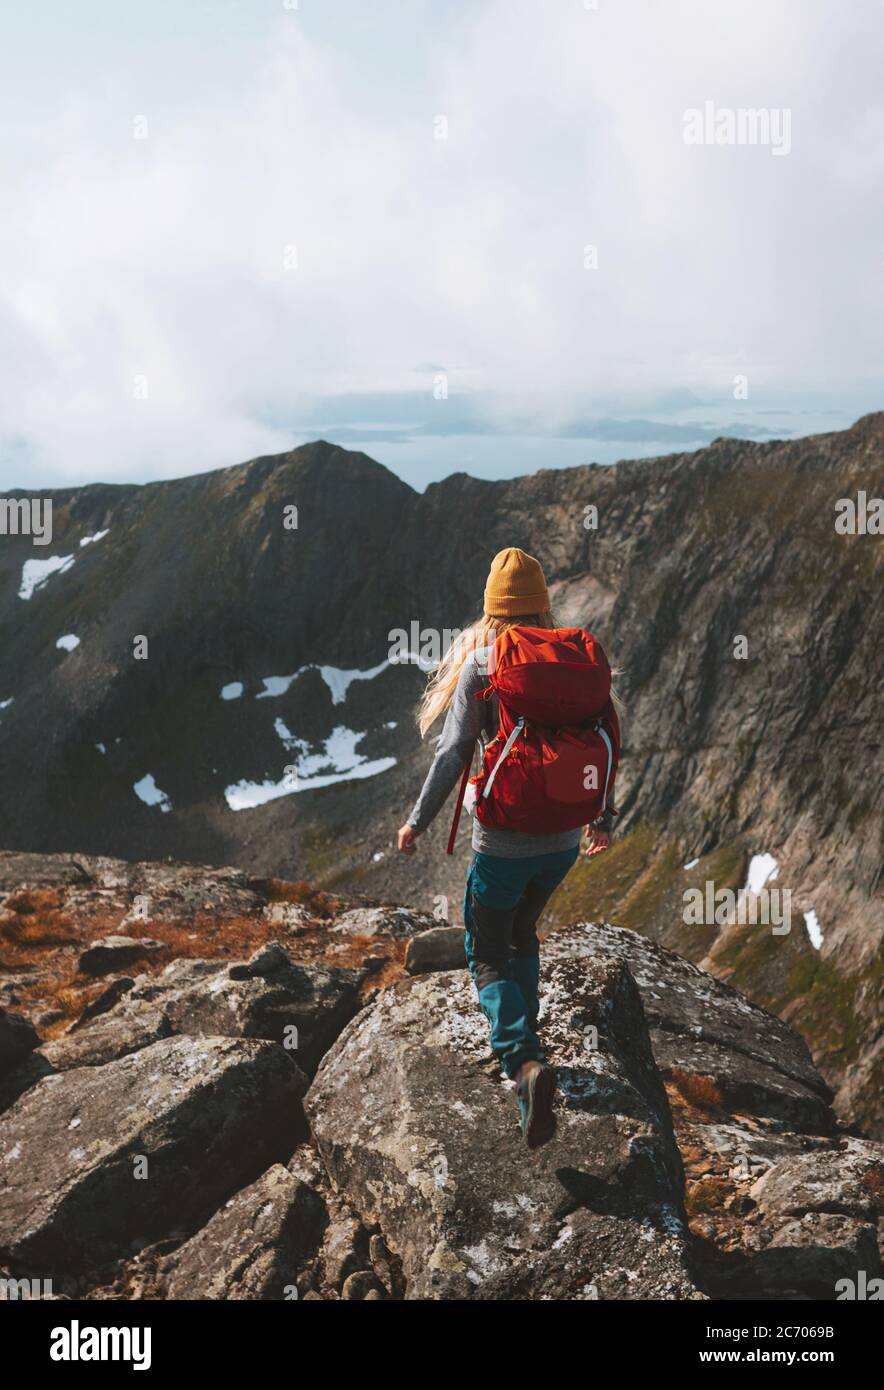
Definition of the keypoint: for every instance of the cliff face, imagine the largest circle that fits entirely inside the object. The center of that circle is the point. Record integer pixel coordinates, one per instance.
(775, 752)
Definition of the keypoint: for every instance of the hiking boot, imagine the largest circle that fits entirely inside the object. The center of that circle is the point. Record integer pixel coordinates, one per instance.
(536, 1089)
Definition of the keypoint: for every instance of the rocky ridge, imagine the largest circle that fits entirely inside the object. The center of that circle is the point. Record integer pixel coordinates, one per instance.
(286, 1112)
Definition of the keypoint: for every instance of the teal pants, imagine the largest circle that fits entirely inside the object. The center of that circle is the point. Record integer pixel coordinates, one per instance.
(502, 903)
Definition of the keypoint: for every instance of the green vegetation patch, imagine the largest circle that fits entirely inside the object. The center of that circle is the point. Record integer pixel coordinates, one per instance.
(594, 887)
(320, 849)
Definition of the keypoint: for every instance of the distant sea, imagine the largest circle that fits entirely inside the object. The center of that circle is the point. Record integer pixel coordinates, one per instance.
(421, 457)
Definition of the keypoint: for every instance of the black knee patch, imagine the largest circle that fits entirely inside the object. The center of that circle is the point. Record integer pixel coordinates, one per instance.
(534, 900)
(491, 932)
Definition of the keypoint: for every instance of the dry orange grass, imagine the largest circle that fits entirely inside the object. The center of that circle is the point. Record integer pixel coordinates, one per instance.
(697, 1160)
(38, 934)
(707, 1195)
(67, 998)
(205, 937)
(699, 1092)
(30, 919)
(351, 951)
(30, 900)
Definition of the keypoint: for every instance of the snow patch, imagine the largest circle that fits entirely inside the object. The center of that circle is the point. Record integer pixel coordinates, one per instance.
(148, 792)
(90, 540)
(68, 642)
(763, 868)
(337, 680)
(231, 691)
(276, 685)
(339, 761)
(814, 930)
(340, 749)
(35, 573)
(291, 741)
(692, 864)
(243, 795)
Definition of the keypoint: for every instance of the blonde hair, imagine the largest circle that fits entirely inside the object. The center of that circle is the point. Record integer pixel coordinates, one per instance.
(442, 682)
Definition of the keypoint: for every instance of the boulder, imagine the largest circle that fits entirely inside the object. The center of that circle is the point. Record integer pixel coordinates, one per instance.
(396, 922)
(290, 917)
(302, 1007)
(129, 1025)
(440, 948)
(17, 1038)
(111, 953)
(847, 1180)
(94, 1159)
(423, 1141)
(809, 1254)
(703, 1027)
(254, 1247)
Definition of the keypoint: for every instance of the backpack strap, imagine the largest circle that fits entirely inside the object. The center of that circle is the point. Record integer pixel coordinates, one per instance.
(604, 734)
(517, 729)
(459, 804)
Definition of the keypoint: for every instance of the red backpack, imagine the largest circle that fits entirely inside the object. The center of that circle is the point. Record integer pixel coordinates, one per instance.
(552, 763)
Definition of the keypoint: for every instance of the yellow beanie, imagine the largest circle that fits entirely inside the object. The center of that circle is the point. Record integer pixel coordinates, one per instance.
(515, 586)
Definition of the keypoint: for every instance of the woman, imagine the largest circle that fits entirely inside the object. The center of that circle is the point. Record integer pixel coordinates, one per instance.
(513, 873)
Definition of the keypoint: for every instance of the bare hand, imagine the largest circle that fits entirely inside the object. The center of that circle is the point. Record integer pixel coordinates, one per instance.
(597, 841)
(406, 839)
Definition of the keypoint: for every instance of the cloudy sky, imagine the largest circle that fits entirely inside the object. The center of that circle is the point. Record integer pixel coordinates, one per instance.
(460, 235)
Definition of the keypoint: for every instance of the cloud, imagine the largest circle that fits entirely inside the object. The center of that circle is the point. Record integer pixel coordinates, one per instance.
(290, 234)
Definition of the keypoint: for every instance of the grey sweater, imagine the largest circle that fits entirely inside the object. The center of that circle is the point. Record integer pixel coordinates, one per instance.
(467, 721)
